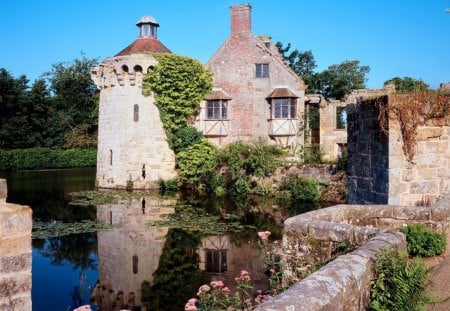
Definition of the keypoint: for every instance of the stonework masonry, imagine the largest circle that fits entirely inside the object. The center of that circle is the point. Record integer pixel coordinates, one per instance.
(344, 283)
(379, 171)
(132, 144)
(15, 254)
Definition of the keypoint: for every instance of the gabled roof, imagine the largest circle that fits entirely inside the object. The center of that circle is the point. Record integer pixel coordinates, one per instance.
(218, 95)
(144, 45)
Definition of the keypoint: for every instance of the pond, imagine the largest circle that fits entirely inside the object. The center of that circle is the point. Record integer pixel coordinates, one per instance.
(109, 268)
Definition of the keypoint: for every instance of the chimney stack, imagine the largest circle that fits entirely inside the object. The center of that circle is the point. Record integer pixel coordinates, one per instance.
(241, 19)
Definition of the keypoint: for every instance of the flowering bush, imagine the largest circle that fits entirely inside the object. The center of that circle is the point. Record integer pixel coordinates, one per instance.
(296, 267)
(216, 296)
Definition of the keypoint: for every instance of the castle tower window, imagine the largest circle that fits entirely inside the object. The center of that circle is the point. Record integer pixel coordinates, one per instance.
(147, 27)
(110, 157)
(135, 264)
(125, 68)
(261, 70)
(137, 68)
(136, 113)
(216, 109)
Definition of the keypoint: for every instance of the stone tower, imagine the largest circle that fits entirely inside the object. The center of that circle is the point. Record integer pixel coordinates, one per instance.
(132, 144)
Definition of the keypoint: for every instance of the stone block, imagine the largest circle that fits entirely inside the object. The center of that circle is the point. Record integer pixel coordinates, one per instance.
(336, 232)
(18, 284)
(427, 132)
(15, 263)
(363, 234)
(411, 213)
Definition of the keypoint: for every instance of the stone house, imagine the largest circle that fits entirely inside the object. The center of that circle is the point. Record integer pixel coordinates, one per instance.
(132, 144)
(255, 94)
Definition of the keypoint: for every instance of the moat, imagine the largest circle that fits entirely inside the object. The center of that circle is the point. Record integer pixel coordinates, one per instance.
(107, 268)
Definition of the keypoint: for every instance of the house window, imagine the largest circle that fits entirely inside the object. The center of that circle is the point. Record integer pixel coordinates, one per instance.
(284, 108)
(135, 264)
(216, 109)
(341, 118)
(216, 260)
(261, 70)
(110, 157)
(136, 113)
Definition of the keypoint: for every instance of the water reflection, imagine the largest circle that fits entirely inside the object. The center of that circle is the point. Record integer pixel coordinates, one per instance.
(163, 267)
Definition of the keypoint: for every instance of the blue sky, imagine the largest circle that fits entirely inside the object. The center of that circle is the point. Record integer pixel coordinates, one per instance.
(393, 37)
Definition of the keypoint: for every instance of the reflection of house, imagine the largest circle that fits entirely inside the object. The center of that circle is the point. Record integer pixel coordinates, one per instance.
(255, 94)
(225, 260)
(130, 254)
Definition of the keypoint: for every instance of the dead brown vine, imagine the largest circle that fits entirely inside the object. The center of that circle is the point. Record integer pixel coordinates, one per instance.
(411, 110)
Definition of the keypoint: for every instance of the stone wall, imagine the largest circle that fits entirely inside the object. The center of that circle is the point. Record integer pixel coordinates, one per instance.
(132, 144)
(344, 283)
(15, 254)
(332, 139)
(379, 170)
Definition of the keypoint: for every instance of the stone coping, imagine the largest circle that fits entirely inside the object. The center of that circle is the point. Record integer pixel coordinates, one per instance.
(344, 283)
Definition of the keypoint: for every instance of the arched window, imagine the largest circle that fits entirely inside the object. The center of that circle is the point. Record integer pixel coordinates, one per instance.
(135, 264)
(110, 157)
(137, 68)
(125, 68)
(136, 113)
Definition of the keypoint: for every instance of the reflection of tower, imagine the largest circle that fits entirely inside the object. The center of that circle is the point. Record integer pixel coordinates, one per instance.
(132, 144)
(130, 254)
(225, 260)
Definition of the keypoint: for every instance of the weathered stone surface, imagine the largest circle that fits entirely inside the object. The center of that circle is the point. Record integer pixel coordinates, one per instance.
(336, 232)
(3, 190)
(15, 263)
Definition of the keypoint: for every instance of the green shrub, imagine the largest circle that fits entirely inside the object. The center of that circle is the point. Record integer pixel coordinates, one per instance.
(398, 284)
(167, 185)
(45, 158)
(422, 241)
(197, 163)
(129, 186)
(312, 154)
(184, 137)
(299, 194)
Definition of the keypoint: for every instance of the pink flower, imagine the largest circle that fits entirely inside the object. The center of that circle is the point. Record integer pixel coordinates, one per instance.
(216, 284)
(245, 276)
(226, 290)
(302, 269)
(264, 235)
(300, 254)
(83, 308)
(190, 308)
(190, 305)
(203, 289)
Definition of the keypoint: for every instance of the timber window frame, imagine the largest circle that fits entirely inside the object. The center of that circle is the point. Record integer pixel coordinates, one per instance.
(262, 70)
(216, 109)
(284, 108)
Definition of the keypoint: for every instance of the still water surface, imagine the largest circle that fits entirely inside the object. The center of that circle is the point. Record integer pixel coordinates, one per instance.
(107, 268)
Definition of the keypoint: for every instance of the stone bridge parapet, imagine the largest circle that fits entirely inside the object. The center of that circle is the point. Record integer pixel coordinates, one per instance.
(344, 283)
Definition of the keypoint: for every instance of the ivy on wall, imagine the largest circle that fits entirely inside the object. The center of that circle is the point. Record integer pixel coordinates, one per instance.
(179, 84)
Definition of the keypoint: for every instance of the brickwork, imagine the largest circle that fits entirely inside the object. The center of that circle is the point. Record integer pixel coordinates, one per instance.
(15, 254)
(233, 66)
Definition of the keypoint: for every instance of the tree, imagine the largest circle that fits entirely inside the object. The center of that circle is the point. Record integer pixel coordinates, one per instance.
(340, 79)
(407, 84)
(302, 63)
(75, 100)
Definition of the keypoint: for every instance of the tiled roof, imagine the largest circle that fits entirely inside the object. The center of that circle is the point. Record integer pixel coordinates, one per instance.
(217, 95)
(144, 45)
(281, 92)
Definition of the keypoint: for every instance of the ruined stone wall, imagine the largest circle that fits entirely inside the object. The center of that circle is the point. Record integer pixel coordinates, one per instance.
(379, 170)
(368, 155)
(15, 254)
(331, 138)
(131, 138)
(344, 283)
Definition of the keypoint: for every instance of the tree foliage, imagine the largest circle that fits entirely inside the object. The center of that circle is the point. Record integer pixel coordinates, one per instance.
(179, 83)
(334, 82)
(341, 79)
(63, 100)
(301, 62)
(407, 85)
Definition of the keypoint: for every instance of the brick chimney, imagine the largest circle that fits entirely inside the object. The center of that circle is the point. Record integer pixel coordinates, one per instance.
(241, 19)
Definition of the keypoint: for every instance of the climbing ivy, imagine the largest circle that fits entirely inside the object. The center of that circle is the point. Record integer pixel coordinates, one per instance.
(179, 84)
